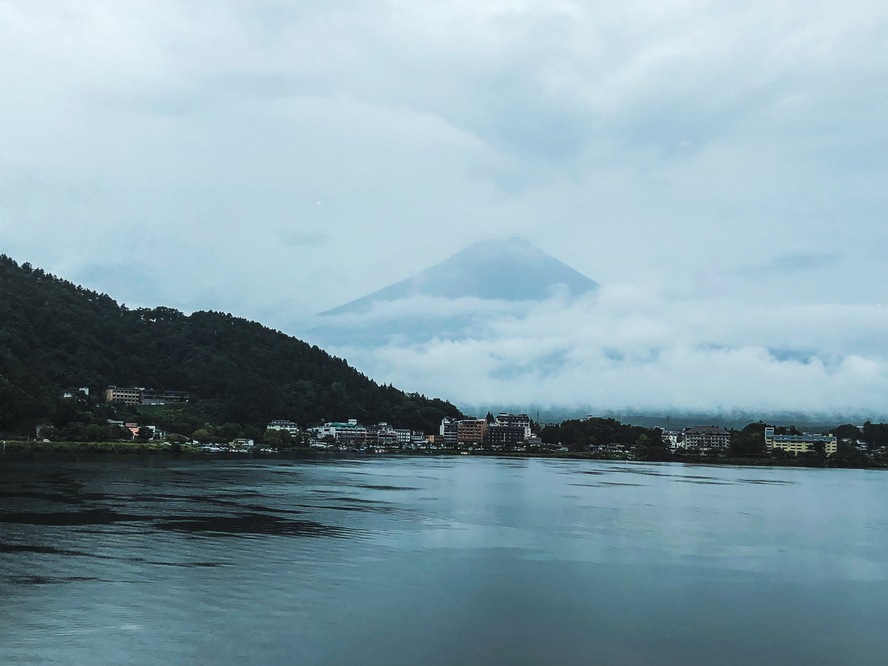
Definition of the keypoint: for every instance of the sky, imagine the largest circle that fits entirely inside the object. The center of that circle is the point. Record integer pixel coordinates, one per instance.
(719, 169)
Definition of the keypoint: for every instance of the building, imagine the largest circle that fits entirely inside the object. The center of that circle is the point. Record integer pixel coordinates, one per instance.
(128, 396)
(289, 426)
(672, 439)
(797, 444)
(152, 397)
(505, 435)
(419, 440)
(471, 431)
(706, 437)
(143, 396)
(350, 432)
(447, 433)
(385, 435)
(514, 421)
(136, 430)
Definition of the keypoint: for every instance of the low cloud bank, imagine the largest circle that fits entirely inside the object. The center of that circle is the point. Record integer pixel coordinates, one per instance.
(628, 348)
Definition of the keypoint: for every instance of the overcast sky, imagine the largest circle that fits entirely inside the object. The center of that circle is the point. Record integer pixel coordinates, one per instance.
(275, 161)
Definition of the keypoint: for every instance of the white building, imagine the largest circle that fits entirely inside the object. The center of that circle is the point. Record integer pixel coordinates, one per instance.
(289, 426)
(350, 431)
(514, 421)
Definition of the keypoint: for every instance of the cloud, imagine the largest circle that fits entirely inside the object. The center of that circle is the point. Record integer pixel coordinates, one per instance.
(628, 348)
(299, 237)
(731, 156)
(793, 262)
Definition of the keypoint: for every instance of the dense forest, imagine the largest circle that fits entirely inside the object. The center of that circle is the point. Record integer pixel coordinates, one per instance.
(580, 434)
(55, 335)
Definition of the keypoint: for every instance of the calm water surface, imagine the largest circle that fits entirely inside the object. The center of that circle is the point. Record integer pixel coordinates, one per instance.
(439, 561)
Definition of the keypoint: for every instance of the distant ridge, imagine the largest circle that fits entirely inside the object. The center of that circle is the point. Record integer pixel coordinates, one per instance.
(505, 270)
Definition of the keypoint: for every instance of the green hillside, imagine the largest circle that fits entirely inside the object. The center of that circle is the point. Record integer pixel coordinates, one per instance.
(56, 335)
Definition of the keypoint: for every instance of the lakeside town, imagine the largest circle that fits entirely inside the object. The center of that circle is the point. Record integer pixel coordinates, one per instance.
(502, 433)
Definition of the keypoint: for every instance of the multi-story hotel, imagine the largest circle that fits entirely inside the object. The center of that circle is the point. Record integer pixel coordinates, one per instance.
(128, 396)
(471, 431)
(143, 396)
(448, 432)
(800, 443)
(706, 437)
(515, 421)
(280, 424)
(505, 435)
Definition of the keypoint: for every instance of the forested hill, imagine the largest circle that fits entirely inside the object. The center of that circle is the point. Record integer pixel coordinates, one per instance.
(55, 335)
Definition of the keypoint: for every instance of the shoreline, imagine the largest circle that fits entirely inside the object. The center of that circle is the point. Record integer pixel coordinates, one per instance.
(18, 450)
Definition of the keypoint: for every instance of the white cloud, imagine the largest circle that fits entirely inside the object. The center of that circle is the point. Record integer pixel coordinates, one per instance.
(626, 348)
(172, 152)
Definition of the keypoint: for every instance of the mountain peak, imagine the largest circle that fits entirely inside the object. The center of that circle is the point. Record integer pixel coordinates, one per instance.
(505, 270)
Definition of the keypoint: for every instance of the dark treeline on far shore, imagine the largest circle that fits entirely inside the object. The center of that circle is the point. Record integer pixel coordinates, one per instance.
(854, 446)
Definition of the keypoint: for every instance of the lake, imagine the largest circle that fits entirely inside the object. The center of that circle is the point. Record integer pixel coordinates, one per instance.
(439, 560)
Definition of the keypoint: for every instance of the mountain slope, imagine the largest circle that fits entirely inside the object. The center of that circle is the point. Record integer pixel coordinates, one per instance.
(506, 270)
(55, 335)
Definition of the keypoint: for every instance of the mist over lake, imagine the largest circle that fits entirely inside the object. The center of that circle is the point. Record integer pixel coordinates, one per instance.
(439, 561)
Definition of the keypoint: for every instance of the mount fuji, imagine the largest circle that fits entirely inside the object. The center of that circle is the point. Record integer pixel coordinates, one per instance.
(505, 270)
(452, 300)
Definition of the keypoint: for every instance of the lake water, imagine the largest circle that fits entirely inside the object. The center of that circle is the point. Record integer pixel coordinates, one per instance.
(439, 560)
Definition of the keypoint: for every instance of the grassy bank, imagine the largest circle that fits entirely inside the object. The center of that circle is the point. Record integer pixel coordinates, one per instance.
(92, 447)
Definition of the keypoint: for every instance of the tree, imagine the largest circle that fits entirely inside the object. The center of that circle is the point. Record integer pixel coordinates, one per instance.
(847, 432)
(201, 435)
(550, 434)
(272, 437)
(748, 442)
(875, 434)
(652, 449)
(116, 432)
(847, 455)
(229, 431)
(96, 433)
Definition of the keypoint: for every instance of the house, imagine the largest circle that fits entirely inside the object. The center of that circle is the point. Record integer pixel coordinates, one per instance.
(135, 429)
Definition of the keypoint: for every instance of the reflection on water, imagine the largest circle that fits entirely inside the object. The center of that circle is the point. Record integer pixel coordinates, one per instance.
(439, 561)
(248, 524)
